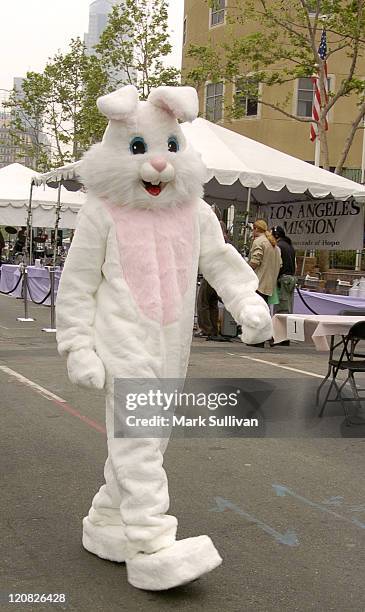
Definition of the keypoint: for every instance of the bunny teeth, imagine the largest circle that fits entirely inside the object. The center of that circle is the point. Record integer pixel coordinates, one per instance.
(153, 188)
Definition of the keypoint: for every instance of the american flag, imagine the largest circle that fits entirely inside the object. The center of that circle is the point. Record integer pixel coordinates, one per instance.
(316, 108)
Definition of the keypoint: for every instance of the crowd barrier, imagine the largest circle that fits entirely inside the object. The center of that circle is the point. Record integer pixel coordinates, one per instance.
(22, 289)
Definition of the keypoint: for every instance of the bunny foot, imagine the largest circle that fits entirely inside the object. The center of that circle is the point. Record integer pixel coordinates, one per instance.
(180, 563)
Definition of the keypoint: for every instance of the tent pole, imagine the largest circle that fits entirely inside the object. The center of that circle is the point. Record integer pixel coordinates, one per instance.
(29, 238)
(303, 262)
(358, 261)
(247, 212)
(317, 161)
(58, 210)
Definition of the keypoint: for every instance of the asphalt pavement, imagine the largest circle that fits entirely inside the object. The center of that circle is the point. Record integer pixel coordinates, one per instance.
(286, 513)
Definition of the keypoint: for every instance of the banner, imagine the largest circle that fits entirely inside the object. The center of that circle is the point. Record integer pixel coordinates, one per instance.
(319, 225)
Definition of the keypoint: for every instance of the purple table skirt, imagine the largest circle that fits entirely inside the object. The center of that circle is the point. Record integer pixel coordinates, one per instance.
(324, 303)
(38, 281)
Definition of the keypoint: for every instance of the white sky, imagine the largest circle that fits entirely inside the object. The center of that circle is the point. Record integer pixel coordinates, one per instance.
(31, 31)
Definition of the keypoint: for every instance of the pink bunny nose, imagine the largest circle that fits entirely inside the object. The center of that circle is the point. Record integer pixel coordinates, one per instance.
(158, 163)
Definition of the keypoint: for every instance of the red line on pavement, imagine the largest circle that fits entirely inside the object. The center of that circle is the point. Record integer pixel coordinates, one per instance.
(59, 401)
(67, 408)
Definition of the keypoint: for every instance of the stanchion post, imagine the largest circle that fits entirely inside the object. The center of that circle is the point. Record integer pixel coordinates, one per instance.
(358, 261)
(26, 317)
(303, 263)
(52, 329)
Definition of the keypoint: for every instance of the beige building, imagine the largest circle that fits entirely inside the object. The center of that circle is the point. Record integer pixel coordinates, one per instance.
(262, 123)
(10, 150)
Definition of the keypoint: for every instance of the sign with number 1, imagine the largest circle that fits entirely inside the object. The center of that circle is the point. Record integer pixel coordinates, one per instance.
(295, 329)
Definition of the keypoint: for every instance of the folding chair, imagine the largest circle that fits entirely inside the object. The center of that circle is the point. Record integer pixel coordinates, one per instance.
(349, 361)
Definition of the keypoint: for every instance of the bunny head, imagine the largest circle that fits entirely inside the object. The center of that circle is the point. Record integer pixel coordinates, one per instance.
(144, 160)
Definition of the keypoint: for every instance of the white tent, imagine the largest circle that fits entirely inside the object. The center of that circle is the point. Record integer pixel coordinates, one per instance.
(15, 183)
(241, 169)
(237, 163)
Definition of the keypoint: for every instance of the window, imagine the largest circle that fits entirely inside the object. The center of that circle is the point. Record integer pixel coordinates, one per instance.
(246, 96)
(217, 13)
(305, 96)
(184, 32)
(214, 101)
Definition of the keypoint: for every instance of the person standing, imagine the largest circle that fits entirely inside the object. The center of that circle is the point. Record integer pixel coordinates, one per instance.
(286, 279)
(20, 241)
(265, 260)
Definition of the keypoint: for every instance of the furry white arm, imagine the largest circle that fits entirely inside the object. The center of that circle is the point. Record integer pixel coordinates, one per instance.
(86, 369)
(80, 280)
(233, 279)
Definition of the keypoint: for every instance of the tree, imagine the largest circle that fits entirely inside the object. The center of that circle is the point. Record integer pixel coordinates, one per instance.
(281, 45)
(60, 103)
(27, 124)
(75, 80)
(134, 45)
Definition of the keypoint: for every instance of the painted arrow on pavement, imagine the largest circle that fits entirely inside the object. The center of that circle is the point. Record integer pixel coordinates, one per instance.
(283, 491)
(289, 538)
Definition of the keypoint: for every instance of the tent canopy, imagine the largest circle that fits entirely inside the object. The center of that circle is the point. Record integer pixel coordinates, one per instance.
(237, 163)
(15, 183)
(67, 174)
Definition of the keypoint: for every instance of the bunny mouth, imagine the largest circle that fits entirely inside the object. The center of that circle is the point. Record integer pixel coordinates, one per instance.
(152, 189)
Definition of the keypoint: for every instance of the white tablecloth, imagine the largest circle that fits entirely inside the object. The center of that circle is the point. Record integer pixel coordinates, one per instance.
(38, 281)
(326, 303)
(317, 328)
(8, 279)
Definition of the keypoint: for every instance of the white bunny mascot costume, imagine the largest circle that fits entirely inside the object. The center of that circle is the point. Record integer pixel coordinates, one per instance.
(125, 309)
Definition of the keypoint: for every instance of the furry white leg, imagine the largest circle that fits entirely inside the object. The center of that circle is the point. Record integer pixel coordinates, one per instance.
(105, 541)
(180, 563)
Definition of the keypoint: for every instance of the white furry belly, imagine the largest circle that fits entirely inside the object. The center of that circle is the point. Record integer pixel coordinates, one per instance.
(140, 333)
(156, 252)
(132, 345)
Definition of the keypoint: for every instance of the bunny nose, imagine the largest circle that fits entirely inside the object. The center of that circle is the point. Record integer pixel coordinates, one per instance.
(158, 163)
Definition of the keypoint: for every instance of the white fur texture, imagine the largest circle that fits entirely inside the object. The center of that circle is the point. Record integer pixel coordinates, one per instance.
(183, 562)
(85, 368)
(233, 279)
(119, 105)
(106, 332)
(181, 102)
(105, 541)
(149, 173)
(111, 171)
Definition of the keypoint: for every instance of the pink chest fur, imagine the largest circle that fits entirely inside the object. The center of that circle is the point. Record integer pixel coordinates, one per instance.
(156, 252)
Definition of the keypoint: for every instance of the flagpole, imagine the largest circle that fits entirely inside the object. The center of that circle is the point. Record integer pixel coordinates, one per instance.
(362, 180)
(317, 160)
(317, 151)
(363, 153)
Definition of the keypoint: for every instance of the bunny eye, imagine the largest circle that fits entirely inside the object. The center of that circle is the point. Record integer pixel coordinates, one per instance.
(173, 144)
(137, 146)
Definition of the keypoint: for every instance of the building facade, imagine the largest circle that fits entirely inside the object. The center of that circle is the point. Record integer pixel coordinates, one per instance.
(204, 25)
(19, 146)
(98, 18)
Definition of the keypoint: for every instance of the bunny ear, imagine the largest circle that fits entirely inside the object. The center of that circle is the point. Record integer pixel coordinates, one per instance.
(120, 104)
(181, 102)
